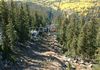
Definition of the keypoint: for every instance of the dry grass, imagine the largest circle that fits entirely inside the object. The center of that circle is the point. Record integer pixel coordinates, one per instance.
(82, 7)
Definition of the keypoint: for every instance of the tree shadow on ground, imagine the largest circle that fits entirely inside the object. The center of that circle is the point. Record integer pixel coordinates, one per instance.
(32, 53)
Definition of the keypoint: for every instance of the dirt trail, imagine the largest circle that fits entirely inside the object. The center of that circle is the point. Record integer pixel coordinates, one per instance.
(42, 56)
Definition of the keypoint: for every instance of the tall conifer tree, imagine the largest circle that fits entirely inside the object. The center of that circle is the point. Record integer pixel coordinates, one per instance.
(6, 46)
(87, 40)
(23, 30)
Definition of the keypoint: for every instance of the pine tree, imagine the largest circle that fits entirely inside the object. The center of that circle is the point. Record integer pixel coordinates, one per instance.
(11, 32)
(30, 20)
(38, 21)
(59, 28)
(75, 33)
(64, 34)
(11, 35)
(87, 40)
(29, 17)
(6, 46)
(72, 34)
(22, 28)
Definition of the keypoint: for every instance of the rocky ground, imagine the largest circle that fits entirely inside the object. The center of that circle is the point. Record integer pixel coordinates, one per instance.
(43, 55)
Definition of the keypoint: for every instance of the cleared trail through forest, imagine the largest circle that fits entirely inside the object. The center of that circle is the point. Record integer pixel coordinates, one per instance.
(44, 54)
(41, 55)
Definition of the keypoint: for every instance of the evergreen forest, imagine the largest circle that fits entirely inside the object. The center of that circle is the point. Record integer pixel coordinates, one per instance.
(50, 35)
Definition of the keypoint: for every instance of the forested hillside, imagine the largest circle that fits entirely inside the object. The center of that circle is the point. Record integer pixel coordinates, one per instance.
(40, 37)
